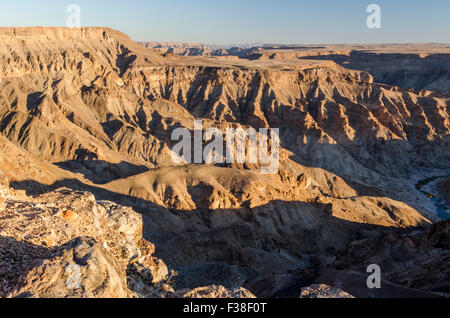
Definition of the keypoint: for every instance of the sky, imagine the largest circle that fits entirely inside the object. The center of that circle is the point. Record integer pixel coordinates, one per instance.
(246, 21)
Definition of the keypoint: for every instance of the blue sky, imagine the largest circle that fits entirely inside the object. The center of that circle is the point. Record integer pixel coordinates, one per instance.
(245, 21)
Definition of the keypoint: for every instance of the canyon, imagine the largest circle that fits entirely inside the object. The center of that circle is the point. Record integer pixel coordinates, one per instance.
(88, 182)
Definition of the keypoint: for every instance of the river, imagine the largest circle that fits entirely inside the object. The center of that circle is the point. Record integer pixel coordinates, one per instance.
(440, 204)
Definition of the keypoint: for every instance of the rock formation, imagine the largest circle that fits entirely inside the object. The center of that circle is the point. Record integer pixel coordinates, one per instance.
(91, 111)
(182, 49)
(418, 66)
(67, 244)
(323, 291)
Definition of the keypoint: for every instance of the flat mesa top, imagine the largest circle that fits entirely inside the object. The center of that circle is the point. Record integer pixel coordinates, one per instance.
(415, 48)
(298, 57)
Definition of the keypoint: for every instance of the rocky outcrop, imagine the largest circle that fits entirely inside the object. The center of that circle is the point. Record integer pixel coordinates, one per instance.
(323, 291)
(182, 49)
(82, 268)
(427, 69)
(66, 244)
(215, 292)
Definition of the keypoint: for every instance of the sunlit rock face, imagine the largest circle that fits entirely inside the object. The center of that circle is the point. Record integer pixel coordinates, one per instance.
(93, 112)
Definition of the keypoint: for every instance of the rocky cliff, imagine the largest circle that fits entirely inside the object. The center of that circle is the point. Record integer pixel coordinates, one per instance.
(92, 111)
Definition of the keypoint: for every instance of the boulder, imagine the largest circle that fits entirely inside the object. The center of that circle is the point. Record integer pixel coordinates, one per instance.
(323, 291)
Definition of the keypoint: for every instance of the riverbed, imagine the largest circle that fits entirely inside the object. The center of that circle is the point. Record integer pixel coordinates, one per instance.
(430, 190)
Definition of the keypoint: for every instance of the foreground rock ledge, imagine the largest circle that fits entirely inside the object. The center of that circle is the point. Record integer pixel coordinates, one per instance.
(67, 244)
